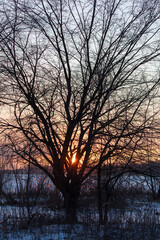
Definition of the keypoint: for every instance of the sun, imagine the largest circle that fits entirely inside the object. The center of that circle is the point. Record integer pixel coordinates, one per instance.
(74, 158)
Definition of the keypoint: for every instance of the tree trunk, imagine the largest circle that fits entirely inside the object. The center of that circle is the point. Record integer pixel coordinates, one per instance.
(99, 194)
(70, 203)
(108, 190)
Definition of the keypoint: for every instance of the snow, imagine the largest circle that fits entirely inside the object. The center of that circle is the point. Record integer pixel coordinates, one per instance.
(138, 213)
(57, 232)
(15, 183)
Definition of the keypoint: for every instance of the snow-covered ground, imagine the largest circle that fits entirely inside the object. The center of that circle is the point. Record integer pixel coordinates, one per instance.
(137, 217)
(57, 232)
(14, 183)
(17, 182)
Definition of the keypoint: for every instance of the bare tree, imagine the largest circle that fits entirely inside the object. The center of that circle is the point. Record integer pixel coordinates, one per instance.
(75, 78)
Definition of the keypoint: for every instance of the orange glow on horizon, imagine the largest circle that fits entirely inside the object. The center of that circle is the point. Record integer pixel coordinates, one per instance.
(74, 158)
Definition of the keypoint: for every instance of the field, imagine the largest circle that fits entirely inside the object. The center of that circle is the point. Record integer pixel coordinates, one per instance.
(31, 208)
